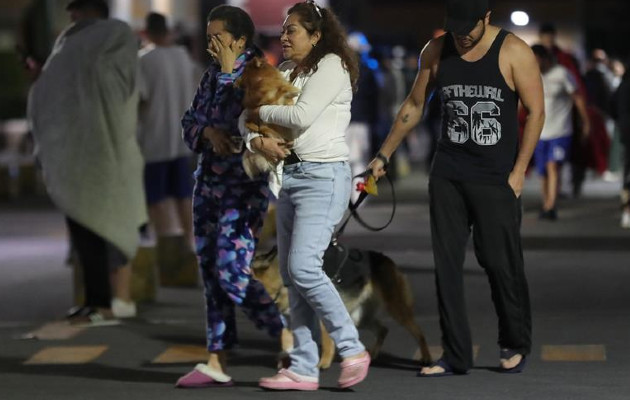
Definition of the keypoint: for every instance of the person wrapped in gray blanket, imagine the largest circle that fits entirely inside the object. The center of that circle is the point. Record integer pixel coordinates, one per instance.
(83, 110)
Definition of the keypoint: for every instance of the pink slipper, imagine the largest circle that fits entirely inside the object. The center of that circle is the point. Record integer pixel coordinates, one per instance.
(354, 371)
(287, 380)
(202, 377)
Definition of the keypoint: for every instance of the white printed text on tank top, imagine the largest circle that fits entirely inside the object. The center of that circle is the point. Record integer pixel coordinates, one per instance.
(478, 121)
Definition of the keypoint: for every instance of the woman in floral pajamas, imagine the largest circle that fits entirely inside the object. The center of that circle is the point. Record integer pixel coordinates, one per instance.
(228, 207)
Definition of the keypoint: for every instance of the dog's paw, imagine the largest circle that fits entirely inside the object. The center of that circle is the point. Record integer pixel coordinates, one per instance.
(255, 165)
(423, 357)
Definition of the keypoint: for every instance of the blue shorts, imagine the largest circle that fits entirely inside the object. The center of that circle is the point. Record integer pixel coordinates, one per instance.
(164, 179)
(556, 150)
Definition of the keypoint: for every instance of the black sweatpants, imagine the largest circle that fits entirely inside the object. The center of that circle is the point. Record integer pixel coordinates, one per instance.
(494, 214)
(97, 258)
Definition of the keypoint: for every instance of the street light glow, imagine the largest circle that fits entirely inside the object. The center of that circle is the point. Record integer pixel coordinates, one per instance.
(520, 18)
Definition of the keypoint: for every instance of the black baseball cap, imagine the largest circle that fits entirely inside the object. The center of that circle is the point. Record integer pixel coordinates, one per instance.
(462, 15)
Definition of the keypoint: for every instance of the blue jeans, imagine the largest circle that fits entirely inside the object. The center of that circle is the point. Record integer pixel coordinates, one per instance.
(312, 201)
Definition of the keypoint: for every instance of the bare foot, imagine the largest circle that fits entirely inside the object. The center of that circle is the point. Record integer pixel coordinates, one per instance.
(511, 362)
(436, 369)
(218, 361)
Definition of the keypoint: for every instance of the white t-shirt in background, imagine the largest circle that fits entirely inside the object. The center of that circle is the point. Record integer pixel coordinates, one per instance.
(559, 85)
(167, 82)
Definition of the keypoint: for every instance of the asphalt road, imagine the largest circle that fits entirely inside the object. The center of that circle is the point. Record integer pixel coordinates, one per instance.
(578, 270)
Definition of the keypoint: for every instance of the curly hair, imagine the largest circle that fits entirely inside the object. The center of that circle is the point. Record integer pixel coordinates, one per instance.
(333, 39)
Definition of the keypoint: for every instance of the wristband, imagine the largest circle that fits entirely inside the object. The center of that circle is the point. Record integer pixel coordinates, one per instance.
(384, 159)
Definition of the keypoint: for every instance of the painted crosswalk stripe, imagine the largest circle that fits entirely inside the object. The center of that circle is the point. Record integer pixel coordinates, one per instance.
(182, 354)
(67, 355)
(58, 330)
(592, 352)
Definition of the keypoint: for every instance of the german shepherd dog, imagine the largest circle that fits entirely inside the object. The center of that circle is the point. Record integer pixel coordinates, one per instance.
(367, 282)
(263, 84)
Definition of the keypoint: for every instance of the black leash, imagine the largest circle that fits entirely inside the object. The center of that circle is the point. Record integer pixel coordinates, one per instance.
(354, 206)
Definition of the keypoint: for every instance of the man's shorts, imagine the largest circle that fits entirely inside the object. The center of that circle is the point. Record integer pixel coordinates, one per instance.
(164, 179)
(556, 150)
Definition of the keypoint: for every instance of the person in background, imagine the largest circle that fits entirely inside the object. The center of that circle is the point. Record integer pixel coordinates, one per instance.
(480, 72)
(621, 111)
(579, 153)
(83, 114)
(228, 207)
(167, 82)
(316, 185)
(614, 172)
(561, 94)
(364, 109)
(601, 84)
(548, 37)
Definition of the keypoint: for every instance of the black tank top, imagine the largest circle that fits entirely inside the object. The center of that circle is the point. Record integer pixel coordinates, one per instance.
(479, 140)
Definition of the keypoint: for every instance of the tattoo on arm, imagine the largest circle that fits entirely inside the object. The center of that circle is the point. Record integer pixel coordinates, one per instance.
(405, 118)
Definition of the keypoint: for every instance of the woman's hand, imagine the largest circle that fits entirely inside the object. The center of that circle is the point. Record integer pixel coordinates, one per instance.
(224, 54)
(272, 148)
(220, 140)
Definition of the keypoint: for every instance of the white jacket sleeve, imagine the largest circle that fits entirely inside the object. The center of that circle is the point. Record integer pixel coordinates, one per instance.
(319, 91)
(246, 134)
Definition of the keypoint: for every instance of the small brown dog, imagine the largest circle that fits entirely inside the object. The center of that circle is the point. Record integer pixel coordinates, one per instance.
(367, 282)
(263, 84)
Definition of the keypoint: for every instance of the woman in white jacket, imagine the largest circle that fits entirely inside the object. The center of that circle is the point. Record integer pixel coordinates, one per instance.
(316, 184)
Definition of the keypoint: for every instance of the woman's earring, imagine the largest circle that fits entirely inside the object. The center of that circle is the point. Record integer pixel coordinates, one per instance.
(313, 44)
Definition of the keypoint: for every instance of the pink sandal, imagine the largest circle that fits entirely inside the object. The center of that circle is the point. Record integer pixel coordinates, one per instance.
(203, 377)
(287, 380)
(354, 371)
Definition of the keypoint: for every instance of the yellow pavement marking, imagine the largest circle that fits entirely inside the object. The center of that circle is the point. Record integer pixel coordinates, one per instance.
(182, 354)
(592, 352)
(58, 330)
(67, 355)
(436, 352)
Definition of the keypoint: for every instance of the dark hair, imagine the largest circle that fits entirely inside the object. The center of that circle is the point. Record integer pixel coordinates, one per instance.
(333, 39)
(547, 27)
(236, 21)
(542, 52)
(99, 6)
(155, 24)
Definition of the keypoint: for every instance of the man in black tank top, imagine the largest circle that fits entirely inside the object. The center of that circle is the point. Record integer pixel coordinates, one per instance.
(479, 72)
